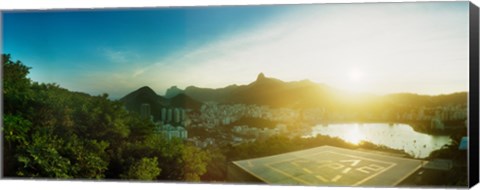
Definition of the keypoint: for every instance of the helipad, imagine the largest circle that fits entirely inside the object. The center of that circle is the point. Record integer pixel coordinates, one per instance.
(328, 165)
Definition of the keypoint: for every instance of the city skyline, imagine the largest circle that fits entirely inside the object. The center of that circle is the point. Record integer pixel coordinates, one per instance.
(377, 48)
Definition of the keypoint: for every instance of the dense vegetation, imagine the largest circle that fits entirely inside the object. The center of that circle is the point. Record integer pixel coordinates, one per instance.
(51, 132)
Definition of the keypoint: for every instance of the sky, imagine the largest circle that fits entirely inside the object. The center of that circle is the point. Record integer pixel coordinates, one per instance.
(375, 48)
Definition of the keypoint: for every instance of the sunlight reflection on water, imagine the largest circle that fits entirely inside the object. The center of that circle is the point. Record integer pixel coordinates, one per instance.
(396, 136)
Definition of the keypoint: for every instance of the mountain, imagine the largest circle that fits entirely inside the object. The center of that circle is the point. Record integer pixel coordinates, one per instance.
(209, 94)
(267, 91)
(173, 91)
(277, 93)
(306, 94)
(135, 99)
(184, 101)
(458, 98)
(223, 95)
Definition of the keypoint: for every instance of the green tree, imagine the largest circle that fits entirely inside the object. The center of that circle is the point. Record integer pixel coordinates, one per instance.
(52, 132)
(143, 169)
(88, 157)
(16, 86)
(216, 166)
(194, 163)
(15, 130)
(141, 128)
(168, 151)
(41, 158)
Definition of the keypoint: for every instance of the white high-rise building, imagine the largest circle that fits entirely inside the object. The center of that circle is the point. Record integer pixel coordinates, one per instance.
(169, 115)
(182, 132)
(182, 114)
(163, 114)
(145, 110)
(176, 115)
(169, 131)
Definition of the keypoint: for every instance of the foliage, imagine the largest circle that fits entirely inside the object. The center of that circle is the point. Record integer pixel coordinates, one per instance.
(51, 132)
(195, 163)
(41, 157)
(15, 85)
(144, 169)
(216, 167)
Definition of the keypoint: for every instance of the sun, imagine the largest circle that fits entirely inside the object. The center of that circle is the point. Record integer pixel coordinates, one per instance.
(355, 75)
(355, 80)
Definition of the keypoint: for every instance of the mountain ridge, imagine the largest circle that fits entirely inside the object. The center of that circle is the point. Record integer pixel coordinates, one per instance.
(294, 94)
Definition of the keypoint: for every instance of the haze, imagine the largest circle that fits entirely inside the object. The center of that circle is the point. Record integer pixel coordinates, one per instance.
(377, 48)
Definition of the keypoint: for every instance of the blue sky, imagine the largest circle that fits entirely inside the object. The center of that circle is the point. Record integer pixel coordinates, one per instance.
(377, 48)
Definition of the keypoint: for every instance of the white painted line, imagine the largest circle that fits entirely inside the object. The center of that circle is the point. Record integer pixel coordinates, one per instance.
(354, 162)
(321, 178)
(307, 170)
(336, 178)
(362, 169)
(346, 170)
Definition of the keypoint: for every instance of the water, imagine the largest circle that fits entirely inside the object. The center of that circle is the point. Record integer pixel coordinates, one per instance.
(396, 136)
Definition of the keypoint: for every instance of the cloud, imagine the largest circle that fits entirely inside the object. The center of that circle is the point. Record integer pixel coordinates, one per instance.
(138, 72)
(390, 44)
(406, 47)
(118, 56)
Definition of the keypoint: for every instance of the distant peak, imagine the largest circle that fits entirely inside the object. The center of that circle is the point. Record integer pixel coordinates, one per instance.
(173, 91)
(141, 92)
(261, 76)
(145, 89)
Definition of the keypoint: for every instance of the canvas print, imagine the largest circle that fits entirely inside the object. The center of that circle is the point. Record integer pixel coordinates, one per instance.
(369, 94)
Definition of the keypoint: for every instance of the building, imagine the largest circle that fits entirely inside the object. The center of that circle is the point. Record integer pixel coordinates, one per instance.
(226, 121)
(145, 110)
(176, 115)
(171, 131)
(169, 115)
(183, 115)
(163, 114)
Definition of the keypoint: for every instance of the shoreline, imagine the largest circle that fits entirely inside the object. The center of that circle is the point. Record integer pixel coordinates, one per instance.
(414, 150)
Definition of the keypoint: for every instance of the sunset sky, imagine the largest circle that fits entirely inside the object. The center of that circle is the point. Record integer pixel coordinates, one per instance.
(376, 48)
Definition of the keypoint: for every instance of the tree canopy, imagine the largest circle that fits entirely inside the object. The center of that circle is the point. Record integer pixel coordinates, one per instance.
(51, 132)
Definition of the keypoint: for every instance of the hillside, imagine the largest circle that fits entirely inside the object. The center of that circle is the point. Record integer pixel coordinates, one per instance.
(135, 99)
(296, 94)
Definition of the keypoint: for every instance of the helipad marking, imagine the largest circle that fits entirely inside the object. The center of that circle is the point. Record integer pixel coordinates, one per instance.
(323, 167)
(354, 162)
(307, 170)
(287, 174)
(365, 179)
(330, 164)
(298, 161)
(384, 169)
(321, 178)
(346, 170)
(336, 178)
(335, 166)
